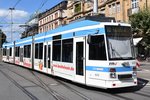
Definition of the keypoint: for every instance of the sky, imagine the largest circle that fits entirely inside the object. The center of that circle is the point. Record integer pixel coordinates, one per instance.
(23, 10)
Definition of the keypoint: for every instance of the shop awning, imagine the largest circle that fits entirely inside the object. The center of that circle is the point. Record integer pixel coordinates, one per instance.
(136, 40)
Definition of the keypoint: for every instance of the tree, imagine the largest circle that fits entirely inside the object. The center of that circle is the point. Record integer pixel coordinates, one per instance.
(2, 37)
(140, 23)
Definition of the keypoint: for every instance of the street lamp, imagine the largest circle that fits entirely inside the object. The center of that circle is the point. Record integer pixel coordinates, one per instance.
(11, 9)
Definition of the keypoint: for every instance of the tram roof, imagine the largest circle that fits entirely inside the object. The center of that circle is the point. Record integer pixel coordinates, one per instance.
(9, 44)
(69, 27)
(82, 22)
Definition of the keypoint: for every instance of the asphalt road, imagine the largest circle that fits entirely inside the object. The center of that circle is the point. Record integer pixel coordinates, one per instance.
(17, 83)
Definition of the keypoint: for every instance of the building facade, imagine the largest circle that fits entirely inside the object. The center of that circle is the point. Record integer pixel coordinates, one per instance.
(31, 26)
(52, 18)
(121, 10)
(68, 11)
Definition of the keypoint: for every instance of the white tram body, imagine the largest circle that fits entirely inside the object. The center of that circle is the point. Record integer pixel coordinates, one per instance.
(98, 54)
(23, 52)
(8, 49)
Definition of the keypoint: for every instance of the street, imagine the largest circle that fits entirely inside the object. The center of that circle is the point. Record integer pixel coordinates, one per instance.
(17, 83)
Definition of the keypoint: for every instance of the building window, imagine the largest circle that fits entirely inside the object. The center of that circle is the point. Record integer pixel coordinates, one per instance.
(44, 28)
(40, 22)
(52, 26)
(40, 30)
(56, 15)
(118, 7)
(52, 17)
(102, 1)
(49, 26)
(56, 24)
(45, 20)
(113, 8)
(102, 11)
(77, 8)
(49, 17)
(110, 10)
(135, 4)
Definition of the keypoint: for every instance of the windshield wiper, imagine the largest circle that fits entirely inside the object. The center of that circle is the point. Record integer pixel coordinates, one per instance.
(114, 51)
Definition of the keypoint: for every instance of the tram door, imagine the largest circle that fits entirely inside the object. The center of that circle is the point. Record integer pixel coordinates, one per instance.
(80, 59)
(47, 57)
(21, 54)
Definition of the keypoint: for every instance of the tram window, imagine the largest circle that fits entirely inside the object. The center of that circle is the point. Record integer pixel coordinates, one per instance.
(36, 50)
(10, 52)
(40, 50)
(49, 55)
(45, 55)
(17, 50)
(57, 50)
(67, 50)
(4, 51)
(7, 52)
(27, 51)
(97, 48)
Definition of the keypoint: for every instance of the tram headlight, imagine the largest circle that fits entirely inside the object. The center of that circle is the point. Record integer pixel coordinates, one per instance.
(112, 73)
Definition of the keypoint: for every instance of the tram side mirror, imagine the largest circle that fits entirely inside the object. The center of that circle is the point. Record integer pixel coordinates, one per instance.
(89, 39)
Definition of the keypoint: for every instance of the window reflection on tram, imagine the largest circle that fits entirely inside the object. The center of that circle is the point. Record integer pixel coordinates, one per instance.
(120, 44)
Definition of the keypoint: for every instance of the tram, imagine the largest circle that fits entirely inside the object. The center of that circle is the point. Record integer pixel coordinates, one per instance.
(92, 52)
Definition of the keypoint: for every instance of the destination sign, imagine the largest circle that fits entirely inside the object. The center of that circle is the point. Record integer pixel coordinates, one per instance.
(118, 30)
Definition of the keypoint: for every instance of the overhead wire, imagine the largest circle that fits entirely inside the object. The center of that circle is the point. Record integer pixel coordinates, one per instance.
(9, 12)
(41, 6)
(18, 1)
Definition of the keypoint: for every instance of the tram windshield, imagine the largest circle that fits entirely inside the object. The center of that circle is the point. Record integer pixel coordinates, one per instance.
(120, 44)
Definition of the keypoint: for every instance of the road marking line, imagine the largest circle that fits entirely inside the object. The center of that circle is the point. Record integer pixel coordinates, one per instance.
(143, 70)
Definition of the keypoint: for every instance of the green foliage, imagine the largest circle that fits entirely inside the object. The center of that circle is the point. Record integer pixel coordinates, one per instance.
(77, 8)
(140, 23)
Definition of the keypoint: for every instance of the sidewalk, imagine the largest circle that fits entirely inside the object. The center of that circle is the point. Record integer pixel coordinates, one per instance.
(144, 63)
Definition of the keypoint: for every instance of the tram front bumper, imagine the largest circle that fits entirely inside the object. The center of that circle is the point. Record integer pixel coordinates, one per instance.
(121, 83)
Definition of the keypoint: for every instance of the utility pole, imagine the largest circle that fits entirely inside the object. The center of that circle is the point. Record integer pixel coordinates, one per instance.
(95, 7)
(0, 46)
(146, 5)
(11, 11)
